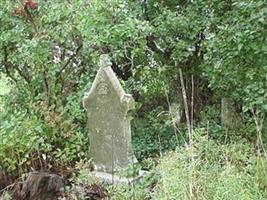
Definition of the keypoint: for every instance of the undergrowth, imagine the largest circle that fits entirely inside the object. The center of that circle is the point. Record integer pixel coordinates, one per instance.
(217, 171)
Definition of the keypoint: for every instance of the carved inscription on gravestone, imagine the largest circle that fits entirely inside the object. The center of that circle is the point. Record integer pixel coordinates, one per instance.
(107, 108)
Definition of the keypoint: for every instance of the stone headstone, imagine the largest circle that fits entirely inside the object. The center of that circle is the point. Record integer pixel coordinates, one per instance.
(107, 106)
(229, 116)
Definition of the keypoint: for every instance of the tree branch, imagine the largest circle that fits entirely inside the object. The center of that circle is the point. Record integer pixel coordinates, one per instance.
(189, 126)
(67, 63)
(8, 65)
(26, 78)
(29, 16)
(46, 87)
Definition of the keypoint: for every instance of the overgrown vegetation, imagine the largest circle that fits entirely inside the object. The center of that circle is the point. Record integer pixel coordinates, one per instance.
(218, 173)
(49, 52)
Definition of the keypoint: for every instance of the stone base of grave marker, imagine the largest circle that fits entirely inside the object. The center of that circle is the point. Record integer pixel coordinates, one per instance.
(117, 179)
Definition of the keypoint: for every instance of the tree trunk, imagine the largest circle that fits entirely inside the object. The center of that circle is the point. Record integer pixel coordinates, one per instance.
(41, 186)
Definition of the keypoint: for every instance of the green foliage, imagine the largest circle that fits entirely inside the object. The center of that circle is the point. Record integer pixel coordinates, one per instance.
(27, 141)
(236, 51)
(130, 171)
(6, 196)
(84, 184)
(139, 191)
(217, 171)
(4, 89)
(4, 86)
(19, 140)
(50, 55)
(154, 134)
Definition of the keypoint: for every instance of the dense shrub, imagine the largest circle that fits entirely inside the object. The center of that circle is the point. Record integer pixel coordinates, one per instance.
(26, 142)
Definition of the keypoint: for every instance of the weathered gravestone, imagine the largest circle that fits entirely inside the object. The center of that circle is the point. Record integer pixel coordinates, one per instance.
(107, 107)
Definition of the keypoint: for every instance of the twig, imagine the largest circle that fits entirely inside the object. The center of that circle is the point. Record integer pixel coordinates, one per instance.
(259, 127)
(68, 62)
(189, 127)
(8, 65)
(192, 102)
(26, 78)
(29, 16)
(160, 147)
(46, 88)
(10, 186)
(186, 108)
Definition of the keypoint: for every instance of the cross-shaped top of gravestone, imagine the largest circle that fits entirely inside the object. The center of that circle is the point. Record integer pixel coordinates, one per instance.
(107, 107)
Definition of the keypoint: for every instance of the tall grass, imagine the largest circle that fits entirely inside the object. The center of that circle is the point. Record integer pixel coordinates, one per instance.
(221, 171)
